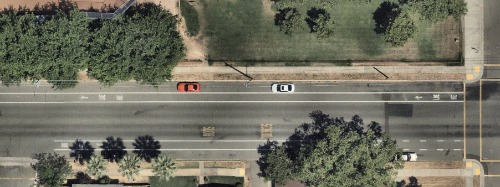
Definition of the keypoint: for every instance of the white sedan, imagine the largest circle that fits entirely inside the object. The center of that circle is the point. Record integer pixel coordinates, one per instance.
(281, 87)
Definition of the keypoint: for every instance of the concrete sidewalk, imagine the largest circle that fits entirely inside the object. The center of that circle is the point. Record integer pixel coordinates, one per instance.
(473, 34)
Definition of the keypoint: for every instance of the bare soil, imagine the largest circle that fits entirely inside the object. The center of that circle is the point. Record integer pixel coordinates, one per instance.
(435, 165)
(224, 164)
(440, 181)
(321, 76)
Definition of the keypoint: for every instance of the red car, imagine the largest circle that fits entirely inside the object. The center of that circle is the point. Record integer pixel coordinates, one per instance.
(188, 87)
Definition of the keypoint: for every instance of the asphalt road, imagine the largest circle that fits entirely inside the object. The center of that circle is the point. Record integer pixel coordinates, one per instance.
(35, 119)
(492, 31)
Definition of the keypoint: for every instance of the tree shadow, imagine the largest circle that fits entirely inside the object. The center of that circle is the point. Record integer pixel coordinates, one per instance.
(82, 151)
(264, 150)
(313, 15)
(385, 14)
(144, 9)
(147, 147)
(113, 150)
(413, 182)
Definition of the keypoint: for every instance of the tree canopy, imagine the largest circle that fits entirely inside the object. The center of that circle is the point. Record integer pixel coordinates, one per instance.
(288, 20)
(51, 169)
(142, 45)
(332, 151)
(400, 30)
(436, 11)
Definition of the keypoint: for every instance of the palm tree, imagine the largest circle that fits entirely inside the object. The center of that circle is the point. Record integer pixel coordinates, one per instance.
(82, 151)
(164, 167)
(112, 149)
(146, 147)
(129, 166)
(97, 166)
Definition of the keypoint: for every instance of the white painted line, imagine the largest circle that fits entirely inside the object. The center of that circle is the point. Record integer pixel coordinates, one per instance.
(457, 149)
(406, 149)
(440, 140)
(175, 149)
(406, 140)
(422, 149)
(223, 93)
(121, 102)
(440, 149)
(457, 140)
(423, 140)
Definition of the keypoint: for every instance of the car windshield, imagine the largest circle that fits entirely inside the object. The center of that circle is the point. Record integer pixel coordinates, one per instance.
(289, 87)
(185, 87)
(195, 87)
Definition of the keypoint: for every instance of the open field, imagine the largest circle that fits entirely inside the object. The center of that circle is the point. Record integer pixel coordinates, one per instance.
(243, 30)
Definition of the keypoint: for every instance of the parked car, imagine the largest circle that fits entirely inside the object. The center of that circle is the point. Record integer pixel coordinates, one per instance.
(407, 156)
(188, 87)
(281, 87)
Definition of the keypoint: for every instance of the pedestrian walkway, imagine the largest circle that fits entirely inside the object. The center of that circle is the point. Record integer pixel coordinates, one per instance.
(473, 32)
(473, 168)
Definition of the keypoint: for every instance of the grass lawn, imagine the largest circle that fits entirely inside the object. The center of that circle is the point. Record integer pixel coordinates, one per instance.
(240, 30)
(191, 16)
(225, 180)
(182, 181)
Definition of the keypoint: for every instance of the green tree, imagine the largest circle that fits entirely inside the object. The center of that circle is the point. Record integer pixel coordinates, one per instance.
(52, 169)
(19, 47)
(129, 166)
(288, 20)
(332, 151)
(164, 167)
(145, 47)
(400, 30)
(97, 166)
(436, 11)
(65, 41)
(319, 22)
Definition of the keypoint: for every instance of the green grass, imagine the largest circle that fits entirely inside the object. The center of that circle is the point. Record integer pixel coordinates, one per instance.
(225, 180)
(241, 30)
(191, 16)
(181, 181)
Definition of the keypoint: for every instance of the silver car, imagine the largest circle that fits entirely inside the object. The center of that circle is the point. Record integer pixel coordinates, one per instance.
(281, 87)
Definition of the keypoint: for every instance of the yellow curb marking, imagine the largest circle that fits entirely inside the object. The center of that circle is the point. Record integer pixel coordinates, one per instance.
(477, 171)
(477, 69)
(242, 172)
(470, 76)
(469, 164)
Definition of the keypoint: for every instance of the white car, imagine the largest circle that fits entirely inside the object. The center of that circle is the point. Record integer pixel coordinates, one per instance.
(408, 156)
(281, 87)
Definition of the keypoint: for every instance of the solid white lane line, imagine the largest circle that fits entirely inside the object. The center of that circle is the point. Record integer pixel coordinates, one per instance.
(118, 102)
(440, 140)
(422, 149)
(223, 93)
(423, 140)
(457, 149)
(457, 140)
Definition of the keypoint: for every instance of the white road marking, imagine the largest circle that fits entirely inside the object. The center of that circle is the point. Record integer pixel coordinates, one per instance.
(406, 149)
(224, 93)
(457, 140)
(457, 149)
(406, 140)
(422, 149)
(64, 145)
(440, 149)
(111, 102)
(440, 140)
(423, 140)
